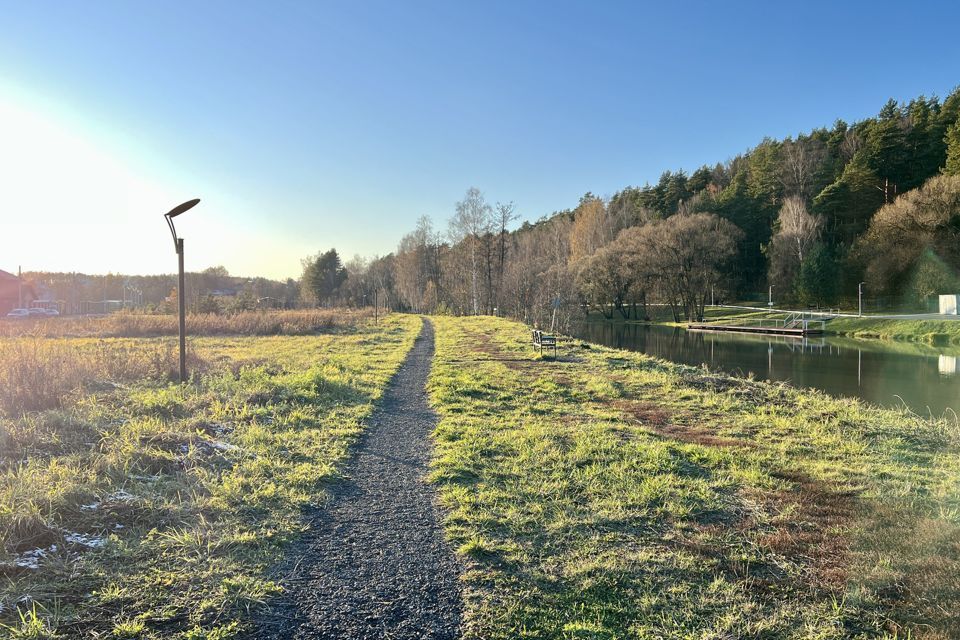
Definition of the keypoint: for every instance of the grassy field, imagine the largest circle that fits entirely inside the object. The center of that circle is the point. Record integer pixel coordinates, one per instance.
(935, 332)
(131, 507)
(609, 495)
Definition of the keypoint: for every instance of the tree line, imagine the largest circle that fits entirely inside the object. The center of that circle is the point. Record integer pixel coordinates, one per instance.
(213, 290)
(875, 201)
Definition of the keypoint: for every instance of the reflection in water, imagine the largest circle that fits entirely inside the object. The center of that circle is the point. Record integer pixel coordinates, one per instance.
(879, 372)
(948, 365)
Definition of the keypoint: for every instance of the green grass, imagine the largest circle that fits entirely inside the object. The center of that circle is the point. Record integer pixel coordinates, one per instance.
(607, 494)
(182, 496)
(934, 332)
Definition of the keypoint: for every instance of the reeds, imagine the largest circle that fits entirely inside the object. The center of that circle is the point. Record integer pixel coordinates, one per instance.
(135, 325)
(38, 373)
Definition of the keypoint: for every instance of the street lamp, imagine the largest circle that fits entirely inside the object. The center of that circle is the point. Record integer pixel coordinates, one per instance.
(770, 297)
(860, 296)
(181, 298)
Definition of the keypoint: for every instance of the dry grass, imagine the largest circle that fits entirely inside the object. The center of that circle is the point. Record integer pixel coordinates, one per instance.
(38, 373)
(133, 325)
(135, 508)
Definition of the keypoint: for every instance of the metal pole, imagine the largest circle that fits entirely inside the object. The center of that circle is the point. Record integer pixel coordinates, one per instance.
(860, 297)
(376, 318)
(182, 303)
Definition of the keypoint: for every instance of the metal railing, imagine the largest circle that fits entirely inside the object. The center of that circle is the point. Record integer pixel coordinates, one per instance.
(791, 321)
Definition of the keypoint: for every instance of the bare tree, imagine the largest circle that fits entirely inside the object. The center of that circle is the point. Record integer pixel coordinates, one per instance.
(682, 258)
(852, 142)
(913, 243)
(801, 160)
(605, 278)
(591, 228)
(417, 266)
(504, 215)
(469, 225)
(795, 223)
(797, 231)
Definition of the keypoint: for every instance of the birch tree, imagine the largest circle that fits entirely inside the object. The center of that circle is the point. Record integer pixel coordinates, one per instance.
(469, 225)
(797, 231)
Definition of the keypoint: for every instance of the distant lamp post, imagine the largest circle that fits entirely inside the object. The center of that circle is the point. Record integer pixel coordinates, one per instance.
(770, 297)
(181, 297)
(860, 296)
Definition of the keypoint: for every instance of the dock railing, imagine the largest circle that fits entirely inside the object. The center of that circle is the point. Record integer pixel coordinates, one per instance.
(799, 321)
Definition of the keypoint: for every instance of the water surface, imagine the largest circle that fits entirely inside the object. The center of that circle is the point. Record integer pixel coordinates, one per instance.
(926, 379)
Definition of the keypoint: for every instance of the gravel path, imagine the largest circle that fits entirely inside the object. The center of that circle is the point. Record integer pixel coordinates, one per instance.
(375, 563)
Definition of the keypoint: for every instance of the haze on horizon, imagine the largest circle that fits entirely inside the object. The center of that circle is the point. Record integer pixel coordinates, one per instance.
(316, 125)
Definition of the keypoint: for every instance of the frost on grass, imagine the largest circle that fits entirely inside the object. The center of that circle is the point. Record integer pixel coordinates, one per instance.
(31, 559)
(117, 496)
(84, 540)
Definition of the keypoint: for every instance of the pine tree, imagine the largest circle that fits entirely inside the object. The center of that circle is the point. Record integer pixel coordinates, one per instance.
(952, 167)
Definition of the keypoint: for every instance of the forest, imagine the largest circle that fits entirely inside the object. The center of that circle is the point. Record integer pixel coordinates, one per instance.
(807, 218)
(876, 201)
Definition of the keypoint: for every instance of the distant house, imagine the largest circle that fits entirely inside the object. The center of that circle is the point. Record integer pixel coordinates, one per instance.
(11, 290)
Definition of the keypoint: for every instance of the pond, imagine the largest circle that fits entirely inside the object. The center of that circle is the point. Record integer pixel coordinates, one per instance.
(925, 378)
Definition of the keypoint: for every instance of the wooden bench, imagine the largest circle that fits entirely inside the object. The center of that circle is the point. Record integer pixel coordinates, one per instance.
(541, 340)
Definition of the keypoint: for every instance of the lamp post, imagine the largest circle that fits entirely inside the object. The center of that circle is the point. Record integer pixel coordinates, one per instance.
(860, 296)
(770, 297)
(181, 298)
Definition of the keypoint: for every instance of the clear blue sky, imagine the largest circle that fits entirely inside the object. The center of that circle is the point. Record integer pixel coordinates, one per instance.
(306, 125)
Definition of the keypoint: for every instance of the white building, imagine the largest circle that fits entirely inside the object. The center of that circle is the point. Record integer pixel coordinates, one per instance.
(948, 304)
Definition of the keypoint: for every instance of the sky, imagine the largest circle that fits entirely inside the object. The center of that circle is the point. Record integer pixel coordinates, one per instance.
(308, 125)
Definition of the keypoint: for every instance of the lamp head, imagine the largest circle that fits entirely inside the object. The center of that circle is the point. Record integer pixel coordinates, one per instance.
(180, 208)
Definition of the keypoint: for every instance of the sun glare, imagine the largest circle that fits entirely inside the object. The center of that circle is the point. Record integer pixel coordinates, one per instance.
(69, 203)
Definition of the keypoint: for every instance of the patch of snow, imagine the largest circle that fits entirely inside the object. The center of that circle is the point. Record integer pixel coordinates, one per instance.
(30, 559)
(93, 506)
(223, 446)
(121, 496)
(91, 542)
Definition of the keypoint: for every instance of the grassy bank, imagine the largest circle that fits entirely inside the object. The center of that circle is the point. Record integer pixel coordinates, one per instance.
(610, 495)
(134, 508)
(935, 332)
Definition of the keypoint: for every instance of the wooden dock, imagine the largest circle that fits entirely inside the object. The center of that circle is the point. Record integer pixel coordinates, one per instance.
(798, 332)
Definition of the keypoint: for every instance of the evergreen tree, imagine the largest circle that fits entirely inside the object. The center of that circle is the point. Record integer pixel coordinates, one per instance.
(322, 276)
(848, 204)
(817, 279)
(952, 166)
